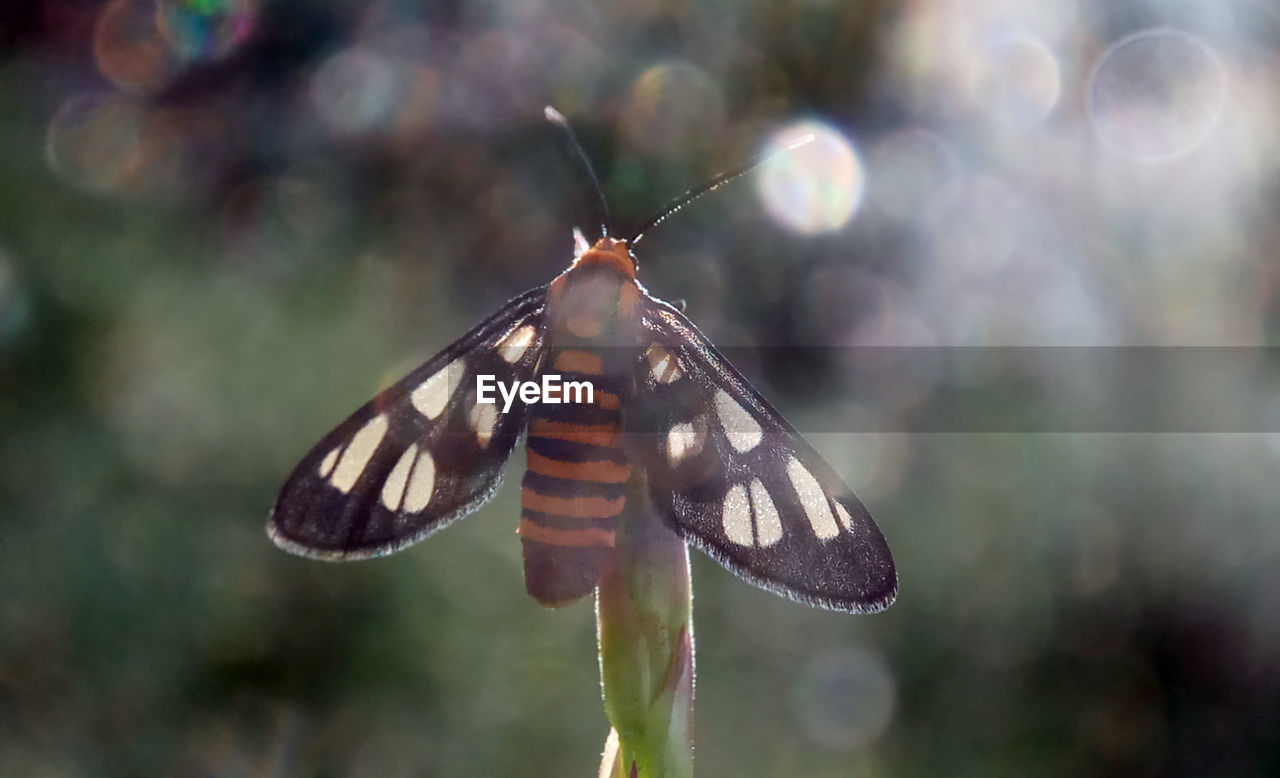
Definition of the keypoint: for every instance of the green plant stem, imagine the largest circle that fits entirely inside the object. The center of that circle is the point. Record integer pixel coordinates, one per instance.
(645, 627)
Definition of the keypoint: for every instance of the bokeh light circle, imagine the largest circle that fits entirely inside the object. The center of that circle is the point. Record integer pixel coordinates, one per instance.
(673, 107)
(92, 141)
(1157, 94)
(913, 175)
(816, 187)
(1014, 79)
(282, 222)
(205, 29)
(15, 304)
(356, 91)
(845, 699)
(128, 48)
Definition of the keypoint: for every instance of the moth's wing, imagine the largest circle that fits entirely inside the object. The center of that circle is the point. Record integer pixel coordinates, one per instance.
(420, 454)
(728, 473)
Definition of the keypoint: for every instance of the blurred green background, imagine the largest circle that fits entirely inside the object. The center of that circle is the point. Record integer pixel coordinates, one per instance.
(224, 224)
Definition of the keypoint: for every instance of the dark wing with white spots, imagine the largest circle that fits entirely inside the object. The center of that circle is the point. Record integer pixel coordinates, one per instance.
(420, 454)
(728, 473)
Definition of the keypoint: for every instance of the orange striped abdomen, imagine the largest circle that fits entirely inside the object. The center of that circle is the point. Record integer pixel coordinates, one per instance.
(575, 485)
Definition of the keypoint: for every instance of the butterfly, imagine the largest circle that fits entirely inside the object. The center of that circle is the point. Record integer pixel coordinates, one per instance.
(655, 399)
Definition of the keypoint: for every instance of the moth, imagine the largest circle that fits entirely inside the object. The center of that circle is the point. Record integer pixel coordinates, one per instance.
(723, 468)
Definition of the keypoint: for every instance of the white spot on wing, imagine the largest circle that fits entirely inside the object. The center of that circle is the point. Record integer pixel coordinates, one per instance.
(482, 419)
(663, 365)
(768, 524)
(330, 459)
(433, 394)
(736, 517)
(843, 515)
(740, 426)
(685, 440)
(513, 346)
(358, 453)
(393, 488)
(421, 483)
(813, 499)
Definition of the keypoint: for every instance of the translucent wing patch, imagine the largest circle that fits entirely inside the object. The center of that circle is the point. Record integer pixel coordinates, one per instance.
(729, 474)
(419, 455)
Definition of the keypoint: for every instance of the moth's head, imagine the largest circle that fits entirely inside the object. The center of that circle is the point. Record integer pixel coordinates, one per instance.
(608, 252)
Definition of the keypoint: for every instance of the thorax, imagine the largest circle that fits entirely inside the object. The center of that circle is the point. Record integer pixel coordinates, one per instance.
(592, 306)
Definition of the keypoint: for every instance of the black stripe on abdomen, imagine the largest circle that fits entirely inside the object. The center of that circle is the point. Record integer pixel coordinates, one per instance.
(574, 451)
(553, 486)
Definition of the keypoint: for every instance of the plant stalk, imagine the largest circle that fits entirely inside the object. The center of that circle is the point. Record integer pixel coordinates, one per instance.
(644, 616)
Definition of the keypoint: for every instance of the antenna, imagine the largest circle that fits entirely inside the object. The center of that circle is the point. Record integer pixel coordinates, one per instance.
(715, 183)
(557, 118)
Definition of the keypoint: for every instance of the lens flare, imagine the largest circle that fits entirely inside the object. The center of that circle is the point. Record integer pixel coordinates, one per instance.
(814, 188)
(205, 29)
(1157, 95)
